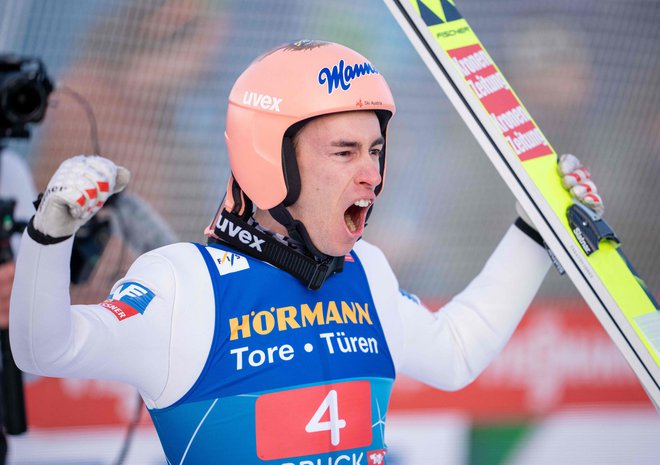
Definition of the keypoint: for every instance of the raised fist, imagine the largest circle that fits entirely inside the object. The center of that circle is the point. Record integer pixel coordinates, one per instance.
(77, 190)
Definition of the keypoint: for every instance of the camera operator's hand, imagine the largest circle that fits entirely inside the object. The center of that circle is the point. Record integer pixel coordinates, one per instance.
(77, 190)
(6, 282)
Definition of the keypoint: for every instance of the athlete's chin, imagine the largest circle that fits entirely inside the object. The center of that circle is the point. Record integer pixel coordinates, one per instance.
(333, 240)
(339, 248)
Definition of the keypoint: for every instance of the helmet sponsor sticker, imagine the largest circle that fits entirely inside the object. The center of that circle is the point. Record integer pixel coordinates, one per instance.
(342, 74)
(265, 102)
(303, 44)
(361, 103)
(128, 299)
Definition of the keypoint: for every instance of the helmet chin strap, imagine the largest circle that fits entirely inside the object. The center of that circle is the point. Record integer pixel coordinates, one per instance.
(296, 230)
(310, 266)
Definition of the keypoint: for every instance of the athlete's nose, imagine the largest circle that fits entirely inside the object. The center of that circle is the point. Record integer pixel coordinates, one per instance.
(369, 171)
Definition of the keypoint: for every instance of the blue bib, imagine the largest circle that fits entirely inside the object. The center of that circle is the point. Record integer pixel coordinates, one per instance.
(293, 376)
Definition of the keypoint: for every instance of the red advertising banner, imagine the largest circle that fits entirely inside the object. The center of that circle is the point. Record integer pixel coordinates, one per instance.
(559, 357)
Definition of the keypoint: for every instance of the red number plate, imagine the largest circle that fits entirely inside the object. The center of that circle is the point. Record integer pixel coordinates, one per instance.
(313, 420)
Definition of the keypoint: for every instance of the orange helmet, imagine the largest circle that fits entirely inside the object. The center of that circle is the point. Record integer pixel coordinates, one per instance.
(269, 103)
(273, 98)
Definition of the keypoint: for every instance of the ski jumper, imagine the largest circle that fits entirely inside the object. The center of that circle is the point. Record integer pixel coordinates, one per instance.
(238, 362)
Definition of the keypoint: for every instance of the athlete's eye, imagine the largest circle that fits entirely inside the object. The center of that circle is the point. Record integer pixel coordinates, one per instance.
(344, 153)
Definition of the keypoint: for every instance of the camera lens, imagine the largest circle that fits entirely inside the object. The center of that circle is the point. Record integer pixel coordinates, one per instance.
(23, 102)
(24, 91)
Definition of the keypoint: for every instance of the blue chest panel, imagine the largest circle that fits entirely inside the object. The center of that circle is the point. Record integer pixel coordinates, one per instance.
(293, 375)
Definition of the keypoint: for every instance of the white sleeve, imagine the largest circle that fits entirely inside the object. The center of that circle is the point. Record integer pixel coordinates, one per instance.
(449, 348)
(53, 338)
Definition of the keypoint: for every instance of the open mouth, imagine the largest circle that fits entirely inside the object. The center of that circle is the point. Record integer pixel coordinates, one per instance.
(355, 214)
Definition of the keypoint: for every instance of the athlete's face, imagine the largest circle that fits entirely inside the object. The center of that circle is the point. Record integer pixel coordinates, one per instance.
(339, 161)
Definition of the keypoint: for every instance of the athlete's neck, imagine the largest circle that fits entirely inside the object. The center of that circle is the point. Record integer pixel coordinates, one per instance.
(264, 218)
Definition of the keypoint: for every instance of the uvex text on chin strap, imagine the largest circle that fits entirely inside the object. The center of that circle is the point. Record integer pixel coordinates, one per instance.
(246, 238)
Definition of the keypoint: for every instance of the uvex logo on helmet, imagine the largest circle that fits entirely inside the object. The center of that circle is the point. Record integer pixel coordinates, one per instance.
(262, 101)
(342, 74)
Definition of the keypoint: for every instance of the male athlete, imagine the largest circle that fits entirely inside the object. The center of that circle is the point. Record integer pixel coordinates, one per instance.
(278, 341)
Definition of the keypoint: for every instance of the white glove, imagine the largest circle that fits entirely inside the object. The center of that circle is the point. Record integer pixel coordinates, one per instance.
(576, 179)
(77, 190)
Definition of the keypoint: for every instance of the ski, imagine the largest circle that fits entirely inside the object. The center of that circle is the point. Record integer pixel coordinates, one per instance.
(584, 245)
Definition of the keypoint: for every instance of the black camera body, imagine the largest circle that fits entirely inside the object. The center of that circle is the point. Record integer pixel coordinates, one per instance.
(8, 227)
(24, 91)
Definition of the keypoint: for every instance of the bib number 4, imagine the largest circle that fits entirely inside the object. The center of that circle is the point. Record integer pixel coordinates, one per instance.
(313, 420)
(334, 424)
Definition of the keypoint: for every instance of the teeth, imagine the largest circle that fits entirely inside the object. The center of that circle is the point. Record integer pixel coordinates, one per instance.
(350, 223)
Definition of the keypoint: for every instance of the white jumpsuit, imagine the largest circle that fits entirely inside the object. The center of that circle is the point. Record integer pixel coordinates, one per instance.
(163, 330)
